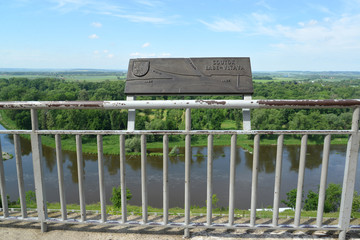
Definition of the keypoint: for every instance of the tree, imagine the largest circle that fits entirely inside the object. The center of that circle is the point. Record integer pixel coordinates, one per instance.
(332, 197)
(30, 197)
(311, 201)
(356, 203)
(291, 198)
(116, 196)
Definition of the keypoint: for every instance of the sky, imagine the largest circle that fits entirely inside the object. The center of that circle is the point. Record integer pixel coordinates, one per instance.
(282, 35)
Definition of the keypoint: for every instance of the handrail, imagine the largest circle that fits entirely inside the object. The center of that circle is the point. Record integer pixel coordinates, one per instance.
(176, 104)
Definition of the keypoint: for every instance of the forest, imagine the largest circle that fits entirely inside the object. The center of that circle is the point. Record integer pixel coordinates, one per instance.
(54, 89)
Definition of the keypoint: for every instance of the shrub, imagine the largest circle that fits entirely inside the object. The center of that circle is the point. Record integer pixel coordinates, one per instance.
(116, 196)
(291, 199)
(311, 202)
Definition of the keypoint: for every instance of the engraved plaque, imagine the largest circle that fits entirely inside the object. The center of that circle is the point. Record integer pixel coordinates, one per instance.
(189, 76)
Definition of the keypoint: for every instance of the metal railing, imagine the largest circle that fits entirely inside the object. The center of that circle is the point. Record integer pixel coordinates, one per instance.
(348, 182)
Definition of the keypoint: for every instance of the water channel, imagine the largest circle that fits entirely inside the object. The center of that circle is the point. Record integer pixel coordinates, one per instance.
(176, 174)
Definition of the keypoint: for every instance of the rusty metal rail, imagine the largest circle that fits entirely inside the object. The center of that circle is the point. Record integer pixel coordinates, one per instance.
(165, 104)
(35, 133)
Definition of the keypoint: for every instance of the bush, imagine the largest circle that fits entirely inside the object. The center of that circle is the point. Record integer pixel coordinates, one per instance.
(311, 202)
(332, 199)
(116, 196)
(133, 144)
(30, 197)
(291, 199)
(356, 203)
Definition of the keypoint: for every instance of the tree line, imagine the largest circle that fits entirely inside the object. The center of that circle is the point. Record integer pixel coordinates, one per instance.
(51, 89)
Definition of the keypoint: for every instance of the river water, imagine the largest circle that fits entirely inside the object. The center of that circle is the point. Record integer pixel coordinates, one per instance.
(176, 174)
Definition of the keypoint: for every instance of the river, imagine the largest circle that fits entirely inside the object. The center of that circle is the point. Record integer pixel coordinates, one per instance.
(176, 174)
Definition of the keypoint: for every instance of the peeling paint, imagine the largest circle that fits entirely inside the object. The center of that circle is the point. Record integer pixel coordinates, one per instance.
(211, 102)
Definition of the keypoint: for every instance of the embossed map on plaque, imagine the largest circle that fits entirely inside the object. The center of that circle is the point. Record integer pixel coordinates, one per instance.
(189, 76)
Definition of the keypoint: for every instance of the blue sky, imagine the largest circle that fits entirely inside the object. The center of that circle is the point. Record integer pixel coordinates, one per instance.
(314, 35)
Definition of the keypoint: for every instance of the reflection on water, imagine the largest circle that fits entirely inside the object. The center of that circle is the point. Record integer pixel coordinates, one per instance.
(176, 174)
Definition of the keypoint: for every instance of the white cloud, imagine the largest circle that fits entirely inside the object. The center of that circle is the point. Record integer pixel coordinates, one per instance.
(264, 4)
(135, 54)
(96, 52)
(165, 54)
(106, 51)
(149, 3)
(129, 11)
(96, 24)
(145, 45)
(93, 36)
(149, 55)
(110, 55)
(320, 8)
(261, 18)
(139, 18)
(224, 25)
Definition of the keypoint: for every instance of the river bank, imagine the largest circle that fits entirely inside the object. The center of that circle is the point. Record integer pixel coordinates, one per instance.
(194, 210)
(111, 142)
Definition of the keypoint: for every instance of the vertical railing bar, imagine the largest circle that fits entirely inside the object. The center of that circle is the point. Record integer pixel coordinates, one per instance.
(254, 179)
(300, 180)
(209, 180)
(232, 179)
(80, 177)
(2, 187)
(101, 177)
(187, 170)
(144, 193)
(37, 158)
(279, 156)
(352, 154)
(19, 170)
(165, 179)
(122, 178)
(131, 115)
(60, 170)
(324, 173)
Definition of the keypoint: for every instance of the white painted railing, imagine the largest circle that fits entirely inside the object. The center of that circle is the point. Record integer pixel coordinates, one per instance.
(348, 182)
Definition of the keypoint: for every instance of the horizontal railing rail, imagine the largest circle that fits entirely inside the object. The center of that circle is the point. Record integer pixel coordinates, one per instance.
(343, 224)
(176, 104)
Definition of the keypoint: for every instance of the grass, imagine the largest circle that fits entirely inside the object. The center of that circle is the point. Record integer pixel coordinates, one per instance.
(194, 210)
(111, 142)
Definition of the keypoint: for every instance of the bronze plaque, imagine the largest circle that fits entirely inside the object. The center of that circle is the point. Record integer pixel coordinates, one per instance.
(189, 76)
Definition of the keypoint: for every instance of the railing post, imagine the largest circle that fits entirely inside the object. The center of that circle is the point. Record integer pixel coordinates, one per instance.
(38, 171)
(323, 179)
(60, 168)
(232, 179)
(101, 177)
(144, 190)
(187, 170)
(277, 187)
(352, 153)
(165, 179)
(131, 115)
(2, 186)
(80, 171)
(300, 180)
(19, 170)
(209, 180)
(246, 115)
(254, 180)
(122, 179)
